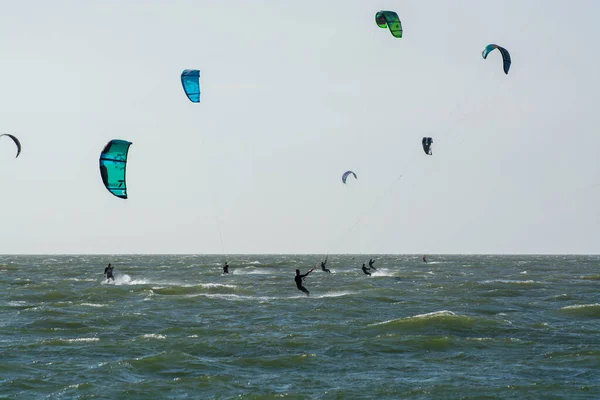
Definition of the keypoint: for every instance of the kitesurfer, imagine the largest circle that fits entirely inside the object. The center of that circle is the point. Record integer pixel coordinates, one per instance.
(371, 262)
(108, 272)
(366, 270)
(225, 268)
(424, 259)
(323, 266)
(299, 278)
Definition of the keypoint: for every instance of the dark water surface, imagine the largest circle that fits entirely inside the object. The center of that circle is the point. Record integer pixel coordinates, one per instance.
(510, 327)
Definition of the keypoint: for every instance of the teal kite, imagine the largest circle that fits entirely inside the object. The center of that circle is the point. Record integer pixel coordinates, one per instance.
(190, 79)
(389, 19)
(14, 140)
(113, 161)
(505, 55)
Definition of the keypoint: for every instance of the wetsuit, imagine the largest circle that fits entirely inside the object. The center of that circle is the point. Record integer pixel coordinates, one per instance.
(371, 262)
(323, 267)
(108, 271)
(366, 270)
(226, 268)
(298, 279)
(424, 259)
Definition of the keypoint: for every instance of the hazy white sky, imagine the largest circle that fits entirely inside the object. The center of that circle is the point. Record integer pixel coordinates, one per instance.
(294, 93)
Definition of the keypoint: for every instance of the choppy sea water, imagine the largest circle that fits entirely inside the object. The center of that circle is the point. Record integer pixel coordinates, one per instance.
(510, 327)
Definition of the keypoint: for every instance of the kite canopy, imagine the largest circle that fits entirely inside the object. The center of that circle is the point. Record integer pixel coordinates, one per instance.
(346, 174)
(502, 50)
(14, 140)
(190, 79)
(113, 161)
(427, 142)
(389, 19)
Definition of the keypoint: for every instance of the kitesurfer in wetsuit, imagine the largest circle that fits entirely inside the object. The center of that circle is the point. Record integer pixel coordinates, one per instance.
(371, 262)
(226, 268)
(298, 278)
(108, 272)
(323, 266)
(366, 270)
(424, 259)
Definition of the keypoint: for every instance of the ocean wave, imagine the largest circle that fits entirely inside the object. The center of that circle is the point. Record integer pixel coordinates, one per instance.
(153, 336)
(81, 279)
(442, 313)
(333, 294)
(394, 342)
(233, 297)
(591, 277)
(62, 341)
(159, 362)
(195, 289)
(584, 310)
(93, 339)
(217, 285)
(494, 340)
(55, 325)
(92, 305)
(512, 282)
(562, 297)
(252, 271)
(437, 321)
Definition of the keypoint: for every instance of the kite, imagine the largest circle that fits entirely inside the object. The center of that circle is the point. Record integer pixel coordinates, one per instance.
(14, 140)
(389, 19)
(505, 55)
(113, 161)
(190, 79)
(345, 176)
(427, 142)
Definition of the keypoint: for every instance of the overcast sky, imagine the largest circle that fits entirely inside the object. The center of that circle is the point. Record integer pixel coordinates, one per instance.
(294, 93)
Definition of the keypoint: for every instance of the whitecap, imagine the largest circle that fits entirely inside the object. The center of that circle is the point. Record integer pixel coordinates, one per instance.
(154, 336)
(217, 285)
(333, 294)
(94, 339)
(92, 305)
(261, 271)
(508, 281)
(581, 306)
(443, 313)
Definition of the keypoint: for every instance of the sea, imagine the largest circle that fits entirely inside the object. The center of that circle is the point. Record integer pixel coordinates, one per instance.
(175, 327)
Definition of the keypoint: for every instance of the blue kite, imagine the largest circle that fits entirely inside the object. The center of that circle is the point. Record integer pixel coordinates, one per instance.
(190, 79)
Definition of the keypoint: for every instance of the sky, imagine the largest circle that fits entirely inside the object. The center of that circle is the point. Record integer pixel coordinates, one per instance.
(293, 95)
